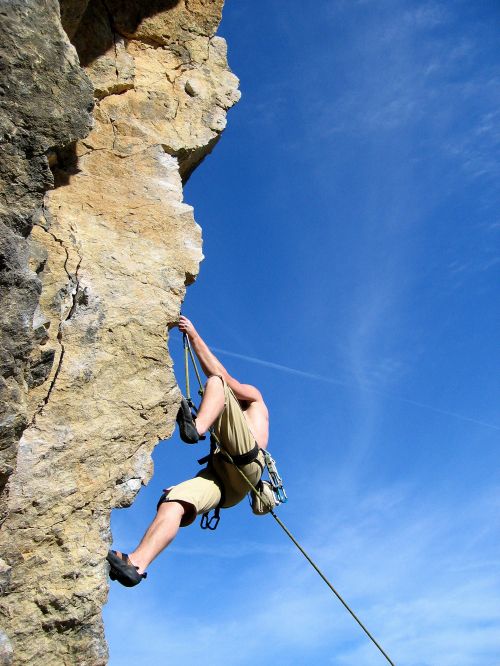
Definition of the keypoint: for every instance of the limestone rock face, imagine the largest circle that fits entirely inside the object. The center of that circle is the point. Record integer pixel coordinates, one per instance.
(112, 249)
(45, 102)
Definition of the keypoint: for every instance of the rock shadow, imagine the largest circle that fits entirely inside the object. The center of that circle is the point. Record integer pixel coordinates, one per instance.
(64, 164)
(93, 26)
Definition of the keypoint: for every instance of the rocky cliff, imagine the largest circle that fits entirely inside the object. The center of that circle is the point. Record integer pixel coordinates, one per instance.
(108, 106)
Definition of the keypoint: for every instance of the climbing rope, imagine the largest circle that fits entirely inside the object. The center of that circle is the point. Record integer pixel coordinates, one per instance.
(188, 352)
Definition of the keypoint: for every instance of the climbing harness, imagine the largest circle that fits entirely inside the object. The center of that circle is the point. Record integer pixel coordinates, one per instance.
(267, 501)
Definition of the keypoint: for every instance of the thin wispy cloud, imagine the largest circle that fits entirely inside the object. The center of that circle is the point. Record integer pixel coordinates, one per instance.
(424, 585)
(353, 385)
(234, 550)
(419, 81)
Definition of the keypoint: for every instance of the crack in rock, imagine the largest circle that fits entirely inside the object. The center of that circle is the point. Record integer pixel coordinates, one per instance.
(74, 283)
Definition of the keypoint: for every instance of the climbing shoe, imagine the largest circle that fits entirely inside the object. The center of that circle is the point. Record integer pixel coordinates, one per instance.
(122, 570)
(185, 421)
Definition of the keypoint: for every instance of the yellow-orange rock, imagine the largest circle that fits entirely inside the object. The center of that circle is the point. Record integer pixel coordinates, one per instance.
(114, 247)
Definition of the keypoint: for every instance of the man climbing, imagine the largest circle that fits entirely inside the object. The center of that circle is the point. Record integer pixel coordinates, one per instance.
(240, 421)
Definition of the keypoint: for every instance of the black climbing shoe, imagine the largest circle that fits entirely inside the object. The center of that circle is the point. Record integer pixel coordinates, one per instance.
(121, 570)
(185, 421)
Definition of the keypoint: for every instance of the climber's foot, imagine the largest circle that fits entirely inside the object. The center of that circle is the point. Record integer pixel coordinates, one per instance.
(187, 426)
(122, 569)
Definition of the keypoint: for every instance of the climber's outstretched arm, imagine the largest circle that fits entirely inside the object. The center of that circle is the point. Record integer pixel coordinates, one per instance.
(212, 366)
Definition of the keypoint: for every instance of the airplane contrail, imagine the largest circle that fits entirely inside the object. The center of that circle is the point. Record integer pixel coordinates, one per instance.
(283, 368)
(332, 380)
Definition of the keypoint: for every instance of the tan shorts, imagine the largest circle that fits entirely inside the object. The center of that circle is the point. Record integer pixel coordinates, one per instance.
(203, 493)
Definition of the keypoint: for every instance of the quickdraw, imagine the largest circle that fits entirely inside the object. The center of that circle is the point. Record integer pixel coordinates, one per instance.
(275, 479)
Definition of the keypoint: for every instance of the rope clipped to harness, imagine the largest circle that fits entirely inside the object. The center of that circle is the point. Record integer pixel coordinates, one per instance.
(270, 493)
(272, 490)
(278, 496)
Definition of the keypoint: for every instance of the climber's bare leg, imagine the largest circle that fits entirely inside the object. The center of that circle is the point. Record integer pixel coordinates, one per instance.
(168, 518)
(212, 404)
(159, 534)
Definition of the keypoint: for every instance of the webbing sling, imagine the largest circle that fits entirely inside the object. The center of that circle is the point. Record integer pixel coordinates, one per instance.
(188, 350)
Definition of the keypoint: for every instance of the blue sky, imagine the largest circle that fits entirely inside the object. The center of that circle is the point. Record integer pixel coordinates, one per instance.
(350, 220)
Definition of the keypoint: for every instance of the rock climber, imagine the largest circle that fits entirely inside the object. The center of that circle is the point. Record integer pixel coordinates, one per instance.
(240, 420)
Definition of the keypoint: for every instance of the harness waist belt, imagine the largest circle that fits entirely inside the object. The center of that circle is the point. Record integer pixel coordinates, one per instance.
(244, 458)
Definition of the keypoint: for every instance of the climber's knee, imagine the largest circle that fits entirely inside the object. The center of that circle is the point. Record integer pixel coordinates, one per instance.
(215, 380)
(188, 510)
